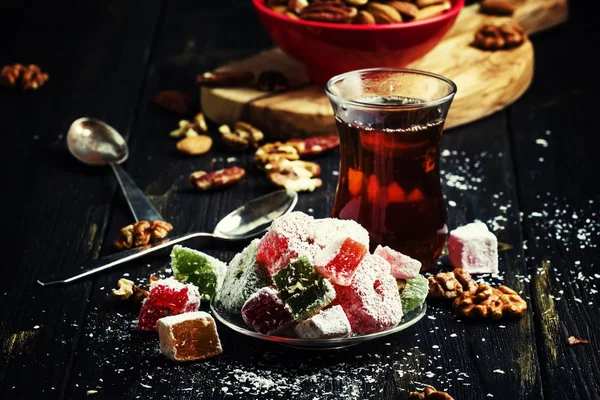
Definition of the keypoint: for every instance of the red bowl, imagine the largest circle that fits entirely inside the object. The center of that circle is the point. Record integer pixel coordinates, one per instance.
(328, 49)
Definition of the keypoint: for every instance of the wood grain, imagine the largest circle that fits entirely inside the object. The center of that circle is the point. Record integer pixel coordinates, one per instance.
(58, 220)
(487, 81)
(555, 150)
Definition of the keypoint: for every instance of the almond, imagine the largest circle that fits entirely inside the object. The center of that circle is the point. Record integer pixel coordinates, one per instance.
(365, 18)
(433, 11)
(428, 3)
(497, 7)
(195, 145)
(356, 3)
(383, 13)
(407, 9)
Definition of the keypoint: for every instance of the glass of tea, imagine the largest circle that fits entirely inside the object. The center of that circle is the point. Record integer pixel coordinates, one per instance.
(390, 123)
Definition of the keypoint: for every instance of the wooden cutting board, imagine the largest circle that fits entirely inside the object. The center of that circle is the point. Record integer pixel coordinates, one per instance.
(487, 81)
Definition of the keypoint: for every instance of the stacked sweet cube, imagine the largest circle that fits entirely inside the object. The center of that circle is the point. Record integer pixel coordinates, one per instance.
(315, 278)
(171, 307)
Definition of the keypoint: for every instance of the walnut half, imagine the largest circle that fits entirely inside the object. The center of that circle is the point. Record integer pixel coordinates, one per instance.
(429, 393)
(446, 286)
(28, 77)
(487, 302)
(499, 37)
(141, 233)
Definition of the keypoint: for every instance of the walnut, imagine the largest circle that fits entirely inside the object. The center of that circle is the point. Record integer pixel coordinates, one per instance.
(141, 233)
(295, 175)
(190, 128)
(125, 289)
(487, 302)
(430, 394)
(498, 37)
(139, 294)
(446, 286)
(28, 77)
(242, 137)
(215, 179)
(272, 153)
(329, 11)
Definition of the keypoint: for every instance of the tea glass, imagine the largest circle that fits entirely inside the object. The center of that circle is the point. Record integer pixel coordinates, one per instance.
(390, 122)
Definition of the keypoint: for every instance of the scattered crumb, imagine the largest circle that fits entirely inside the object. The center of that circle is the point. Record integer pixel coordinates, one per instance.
(575, 340)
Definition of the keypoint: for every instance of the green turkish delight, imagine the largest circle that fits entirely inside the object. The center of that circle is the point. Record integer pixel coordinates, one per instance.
(295, 277)
(311, 300)
(200, 269)
(414, 293)
(244, 276)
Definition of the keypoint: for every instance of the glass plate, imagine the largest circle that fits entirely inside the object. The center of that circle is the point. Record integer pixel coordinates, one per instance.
(236, 323)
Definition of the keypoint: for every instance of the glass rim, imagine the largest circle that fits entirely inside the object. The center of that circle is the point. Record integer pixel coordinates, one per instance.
(423, 104)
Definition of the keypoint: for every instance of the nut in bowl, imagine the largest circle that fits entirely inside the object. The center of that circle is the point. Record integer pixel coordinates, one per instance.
(350, 36)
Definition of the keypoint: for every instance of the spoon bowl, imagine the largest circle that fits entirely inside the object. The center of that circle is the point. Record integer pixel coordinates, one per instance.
(246, 222)
(94, 142)
(254, 217)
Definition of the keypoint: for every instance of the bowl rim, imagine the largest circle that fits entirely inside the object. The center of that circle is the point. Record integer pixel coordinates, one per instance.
(457, 6)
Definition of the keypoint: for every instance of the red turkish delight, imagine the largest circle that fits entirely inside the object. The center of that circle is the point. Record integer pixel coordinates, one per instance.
(403, 266)
(372, 301)
(338, 260)
(167, 297)
(288, 238)
(265, 312)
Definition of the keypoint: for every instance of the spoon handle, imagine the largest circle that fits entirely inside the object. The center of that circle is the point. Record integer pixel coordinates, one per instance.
(126, 255)
(140, 206)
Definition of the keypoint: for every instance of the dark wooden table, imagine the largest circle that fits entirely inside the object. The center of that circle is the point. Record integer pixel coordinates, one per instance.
(530, 172)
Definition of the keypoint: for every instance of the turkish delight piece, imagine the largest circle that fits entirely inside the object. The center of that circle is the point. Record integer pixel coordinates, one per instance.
(328, 323)
(295, 277)
(198, 268)
(372, 301)
(474, 248)
(311, 300)
(414, 293)
(189, 336)
(244, 276)
(265, 312)
(339, 259)
(288, 238)
(328, 230)
(166, 297)
(403, 266)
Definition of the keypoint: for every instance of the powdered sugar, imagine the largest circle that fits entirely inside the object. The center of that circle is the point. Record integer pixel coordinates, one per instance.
(328, 323)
